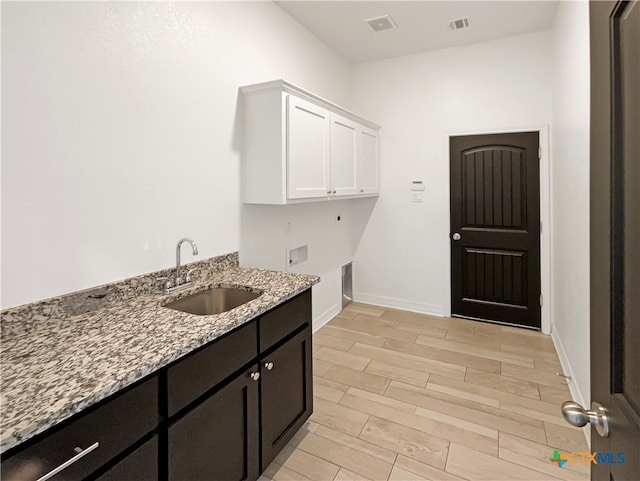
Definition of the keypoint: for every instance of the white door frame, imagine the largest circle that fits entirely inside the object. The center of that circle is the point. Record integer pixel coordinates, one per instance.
(545, 218)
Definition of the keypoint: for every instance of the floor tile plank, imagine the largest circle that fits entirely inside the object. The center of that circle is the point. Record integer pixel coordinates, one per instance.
(495, 354)
(442, 355)
(338, 417)
(410, 442)
(345, 456)
(467, 414)
(425, 471)
(503, 383)
(533, 375)
(536, 456)
(398, 373)
(362, 380)
(365, 447)
(345, 359)
(427, 425)
(409, 361)
(471, 464)
(565, 437)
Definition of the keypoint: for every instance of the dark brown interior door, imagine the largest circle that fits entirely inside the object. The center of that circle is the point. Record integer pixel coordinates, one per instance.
(615, 233)
(495, 227)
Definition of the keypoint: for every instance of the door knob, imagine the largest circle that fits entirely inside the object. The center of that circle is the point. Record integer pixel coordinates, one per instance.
(456, 237)
(268, 365)
(255, 376)
(578, 416)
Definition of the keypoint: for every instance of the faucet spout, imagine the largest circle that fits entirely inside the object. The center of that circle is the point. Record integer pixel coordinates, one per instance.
(194, 249)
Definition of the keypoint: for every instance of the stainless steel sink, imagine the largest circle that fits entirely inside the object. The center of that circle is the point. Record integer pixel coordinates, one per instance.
(214, 301)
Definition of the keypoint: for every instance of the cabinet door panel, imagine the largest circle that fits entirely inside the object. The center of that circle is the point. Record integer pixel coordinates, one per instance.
(308, 150)
(368, 161)
(218, 440)
(287, 396)
(344, 145)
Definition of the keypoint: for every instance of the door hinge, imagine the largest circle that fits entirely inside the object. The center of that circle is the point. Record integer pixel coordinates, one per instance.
(540, 227)
(539, 153)
(541, 300)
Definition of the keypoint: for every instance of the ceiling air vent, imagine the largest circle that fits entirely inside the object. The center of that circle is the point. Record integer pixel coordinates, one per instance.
(459, 23)
(385, 22)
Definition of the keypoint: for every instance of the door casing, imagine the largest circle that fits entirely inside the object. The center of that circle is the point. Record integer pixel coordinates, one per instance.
(545, 218)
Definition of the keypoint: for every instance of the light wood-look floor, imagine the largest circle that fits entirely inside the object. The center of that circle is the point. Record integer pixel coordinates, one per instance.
(403, 396)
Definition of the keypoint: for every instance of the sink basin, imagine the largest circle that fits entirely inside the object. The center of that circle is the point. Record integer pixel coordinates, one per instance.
(214, 301)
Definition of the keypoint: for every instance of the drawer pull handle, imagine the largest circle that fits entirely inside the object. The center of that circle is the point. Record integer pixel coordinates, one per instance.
(255, 376)
(69, 462)
(268, 365)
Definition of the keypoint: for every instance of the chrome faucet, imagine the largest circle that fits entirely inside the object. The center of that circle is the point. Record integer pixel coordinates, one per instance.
(194, 247)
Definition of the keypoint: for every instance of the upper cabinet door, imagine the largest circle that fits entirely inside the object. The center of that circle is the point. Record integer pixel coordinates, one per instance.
(308, 150)
(368, 161)
(344, 147)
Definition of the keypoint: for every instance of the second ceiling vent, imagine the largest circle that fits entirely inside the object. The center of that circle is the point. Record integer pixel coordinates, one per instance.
(385, 22)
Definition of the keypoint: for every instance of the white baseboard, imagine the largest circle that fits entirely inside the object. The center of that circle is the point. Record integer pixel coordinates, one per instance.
(403, 304)
(325, 317)
(574, 389)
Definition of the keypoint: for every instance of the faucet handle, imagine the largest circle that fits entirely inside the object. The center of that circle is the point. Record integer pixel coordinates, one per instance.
(188, 276)
(167, 284)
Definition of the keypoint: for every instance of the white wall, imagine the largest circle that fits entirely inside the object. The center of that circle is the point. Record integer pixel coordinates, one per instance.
(403, 258)
(120, 133)
(268, 231)
(570, 189)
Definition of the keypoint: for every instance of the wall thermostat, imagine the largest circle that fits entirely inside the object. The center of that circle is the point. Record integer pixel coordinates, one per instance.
(417, 185)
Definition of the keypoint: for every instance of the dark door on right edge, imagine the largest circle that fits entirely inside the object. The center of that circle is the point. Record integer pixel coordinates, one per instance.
(615, 235)
(495, 227)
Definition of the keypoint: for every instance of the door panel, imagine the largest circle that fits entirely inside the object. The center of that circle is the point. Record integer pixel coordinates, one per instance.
(615, 232)
(495, 209)
(287, 396)
(368, 161)
(307, 149)
(343, 156)
(218, 440)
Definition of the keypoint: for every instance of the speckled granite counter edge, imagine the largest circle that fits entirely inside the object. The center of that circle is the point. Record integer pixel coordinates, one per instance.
(213, 275)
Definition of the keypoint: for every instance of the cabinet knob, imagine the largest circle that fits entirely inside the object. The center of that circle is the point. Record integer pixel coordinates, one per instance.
(268, 365)
(255, 376)
(361, 190)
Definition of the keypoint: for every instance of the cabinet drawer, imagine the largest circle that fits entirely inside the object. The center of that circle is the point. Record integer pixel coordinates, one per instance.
(201, 371)
(114, 426)
(141, 465)
(283, 320)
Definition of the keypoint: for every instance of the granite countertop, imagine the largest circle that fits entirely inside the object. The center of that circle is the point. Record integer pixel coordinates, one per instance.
(55, 367)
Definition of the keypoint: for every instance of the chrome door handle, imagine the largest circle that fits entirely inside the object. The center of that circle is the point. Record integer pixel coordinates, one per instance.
(578, 416)
(255, 376)
(69, 462)
(268, 365)
(456, 237)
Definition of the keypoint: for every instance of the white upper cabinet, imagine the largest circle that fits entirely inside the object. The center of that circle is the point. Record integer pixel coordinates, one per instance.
(308, 145)
(298, 147)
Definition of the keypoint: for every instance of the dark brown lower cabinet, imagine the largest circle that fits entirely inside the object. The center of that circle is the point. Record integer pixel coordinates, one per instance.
(222, 413)
(287, 397)
(219, 439)
(141, 465)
